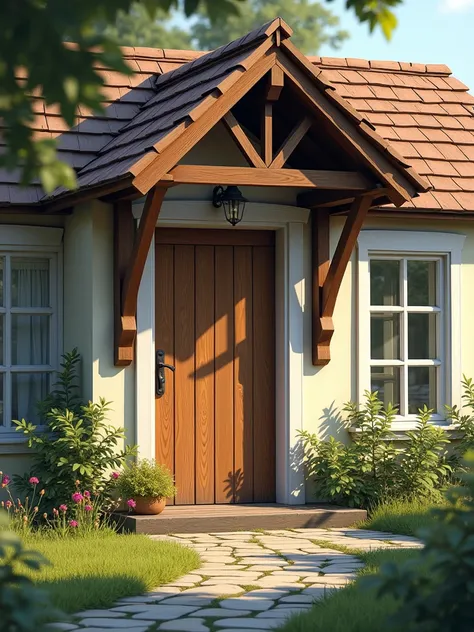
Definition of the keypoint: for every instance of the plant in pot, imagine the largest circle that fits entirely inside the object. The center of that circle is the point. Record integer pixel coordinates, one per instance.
(149, 484)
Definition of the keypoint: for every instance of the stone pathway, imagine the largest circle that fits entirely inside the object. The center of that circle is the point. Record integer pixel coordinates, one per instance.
(249, 581)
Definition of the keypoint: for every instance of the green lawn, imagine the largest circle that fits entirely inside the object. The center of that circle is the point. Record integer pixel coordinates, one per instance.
(403, 517)
(353, 609)
(94, 571)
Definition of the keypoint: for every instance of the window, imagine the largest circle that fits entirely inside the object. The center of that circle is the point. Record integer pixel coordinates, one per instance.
(408, 346)
(29, 341)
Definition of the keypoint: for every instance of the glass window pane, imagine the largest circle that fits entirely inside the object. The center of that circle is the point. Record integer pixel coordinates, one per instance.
(421, 388)
(386, 381)
(422, 282)
(28, 389)
(2, 272)
(422, 329)
(385, 336)
(384, 282)
(30, 282)
(30, 339)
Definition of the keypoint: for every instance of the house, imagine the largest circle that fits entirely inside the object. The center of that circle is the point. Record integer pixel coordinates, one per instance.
(352, 267)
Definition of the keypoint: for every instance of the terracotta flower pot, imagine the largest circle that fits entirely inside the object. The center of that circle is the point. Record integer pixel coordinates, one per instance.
(149, 505)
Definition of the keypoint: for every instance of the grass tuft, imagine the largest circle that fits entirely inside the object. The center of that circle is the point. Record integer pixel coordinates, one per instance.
(94, 571)
(400, 516)
(355, 608)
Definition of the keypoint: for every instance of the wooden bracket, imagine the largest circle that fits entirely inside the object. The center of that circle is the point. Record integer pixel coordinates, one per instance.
(130, 254)
(327, 275)
(275, 83)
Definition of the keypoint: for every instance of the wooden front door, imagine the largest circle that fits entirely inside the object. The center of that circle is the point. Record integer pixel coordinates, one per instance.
(215, 320)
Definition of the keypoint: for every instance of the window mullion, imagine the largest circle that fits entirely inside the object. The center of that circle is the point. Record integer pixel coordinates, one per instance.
(404, 339)
(7, 395)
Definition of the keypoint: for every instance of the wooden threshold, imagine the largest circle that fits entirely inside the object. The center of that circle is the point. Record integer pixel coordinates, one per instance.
(220, 518)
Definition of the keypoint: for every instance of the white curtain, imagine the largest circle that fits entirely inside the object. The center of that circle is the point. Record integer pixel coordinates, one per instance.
(30, 334)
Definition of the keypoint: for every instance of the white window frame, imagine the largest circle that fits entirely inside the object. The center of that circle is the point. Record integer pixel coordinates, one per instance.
(43, 242)
(446, 248)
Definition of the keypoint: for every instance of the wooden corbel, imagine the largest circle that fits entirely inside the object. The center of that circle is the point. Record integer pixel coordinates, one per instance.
(130, 254)
(327, 275)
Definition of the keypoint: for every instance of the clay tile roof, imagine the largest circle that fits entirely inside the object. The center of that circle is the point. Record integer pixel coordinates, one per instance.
(428, 117)
(425, 115)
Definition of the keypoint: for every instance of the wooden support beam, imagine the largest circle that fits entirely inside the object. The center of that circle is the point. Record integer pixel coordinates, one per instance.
(243, 141)
(249, 176)
(267, 134)
(130, 263)
(319, 271)
(327, 278)
(290, 144)
(276, 82)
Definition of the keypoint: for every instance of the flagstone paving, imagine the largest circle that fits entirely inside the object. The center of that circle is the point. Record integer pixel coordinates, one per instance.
(248, 581)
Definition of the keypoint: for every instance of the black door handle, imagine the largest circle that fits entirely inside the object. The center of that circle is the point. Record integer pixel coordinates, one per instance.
(160, 380)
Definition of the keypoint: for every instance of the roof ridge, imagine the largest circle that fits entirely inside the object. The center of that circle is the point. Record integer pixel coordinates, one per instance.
(380, 65)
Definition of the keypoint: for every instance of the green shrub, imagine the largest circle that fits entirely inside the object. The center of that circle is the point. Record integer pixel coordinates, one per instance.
(371, 468)
(436, 592)
(146, 478)
(463, 422)
(78, 443)
(23, 606)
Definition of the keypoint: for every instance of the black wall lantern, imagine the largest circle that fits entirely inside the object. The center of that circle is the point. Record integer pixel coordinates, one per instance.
(233, 202)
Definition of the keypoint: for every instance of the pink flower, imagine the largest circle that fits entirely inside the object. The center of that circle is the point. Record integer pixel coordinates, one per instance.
(55, 511)
(87, 494)
(87, 507)
(73, 523)
(115, 475)
(63, 508)
(131, 503)
(6, 480)
(77, 497)
(8, 504)
(33, 480)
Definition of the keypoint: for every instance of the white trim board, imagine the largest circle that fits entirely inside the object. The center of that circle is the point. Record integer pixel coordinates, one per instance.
(288, 222)
(386, 242)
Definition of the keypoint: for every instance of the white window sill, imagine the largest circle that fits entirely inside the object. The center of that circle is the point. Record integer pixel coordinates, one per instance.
(399, 428)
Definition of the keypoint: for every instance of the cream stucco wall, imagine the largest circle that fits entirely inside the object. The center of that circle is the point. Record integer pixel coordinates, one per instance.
(88, 311)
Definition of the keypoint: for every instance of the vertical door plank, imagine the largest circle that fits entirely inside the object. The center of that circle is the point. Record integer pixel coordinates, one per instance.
(224, 391)
(184, 378)
(243, 375)
(264, 373)
(164, 335)
(204, 388)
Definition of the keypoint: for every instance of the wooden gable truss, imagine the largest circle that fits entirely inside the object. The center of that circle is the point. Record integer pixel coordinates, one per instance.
(375, 174)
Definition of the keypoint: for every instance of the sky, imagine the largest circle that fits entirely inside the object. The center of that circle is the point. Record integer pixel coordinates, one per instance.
(429, 31)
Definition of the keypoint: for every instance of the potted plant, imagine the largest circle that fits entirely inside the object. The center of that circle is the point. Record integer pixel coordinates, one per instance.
(149, 484)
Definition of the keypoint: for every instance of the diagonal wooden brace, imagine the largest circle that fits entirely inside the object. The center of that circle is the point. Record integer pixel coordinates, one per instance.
(327, 275)
(130, 254)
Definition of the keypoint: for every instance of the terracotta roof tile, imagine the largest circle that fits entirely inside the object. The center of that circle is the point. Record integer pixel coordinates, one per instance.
(428, 150)
(410, 133)
(357, 63)
(443, 183)
(385, 65)
(465, 169)
(442, 168)
(464, 199)
(451, 151)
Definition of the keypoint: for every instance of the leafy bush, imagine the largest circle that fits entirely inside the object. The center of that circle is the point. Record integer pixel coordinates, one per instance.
(22, 605)
(464, 422)
(146, 478)
(77, 441)
(436, 591)
(371, 468)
